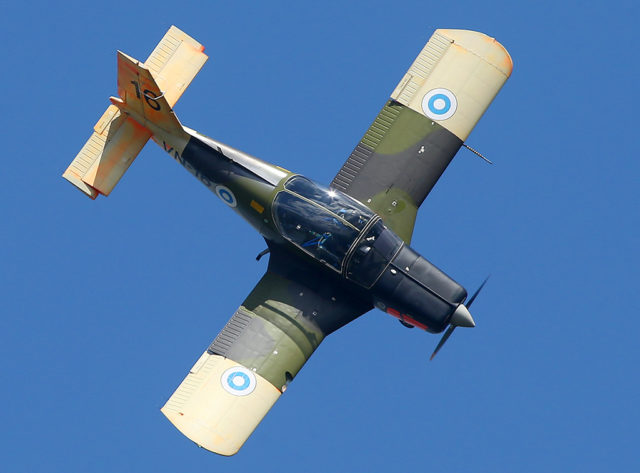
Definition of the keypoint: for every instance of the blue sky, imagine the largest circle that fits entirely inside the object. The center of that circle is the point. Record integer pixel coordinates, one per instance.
(107, 304)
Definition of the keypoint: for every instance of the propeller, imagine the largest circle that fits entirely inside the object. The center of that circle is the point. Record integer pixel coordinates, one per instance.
(460, 318)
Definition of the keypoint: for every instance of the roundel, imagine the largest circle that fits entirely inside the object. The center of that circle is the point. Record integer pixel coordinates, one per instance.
(238, 381)
(439, 104)
(226, 195)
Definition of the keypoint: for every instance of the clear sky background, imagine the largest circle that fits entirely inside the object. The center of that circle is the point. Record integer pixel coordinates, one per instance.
(106, 304)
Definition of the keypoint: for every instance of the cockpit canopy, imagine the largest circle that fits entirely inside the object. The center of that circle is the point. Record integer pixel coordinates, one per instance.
(320, 221)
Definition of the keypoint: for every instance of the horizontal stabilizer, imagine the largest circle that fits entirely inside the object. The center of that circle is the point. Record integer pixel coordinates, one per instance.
(175, 62)
(108, 153)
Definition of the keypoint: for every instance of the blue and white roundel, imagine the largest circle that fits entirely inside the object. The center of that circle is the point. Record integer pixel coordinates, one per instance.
(439, 104)
(238, 381)
(226, 195)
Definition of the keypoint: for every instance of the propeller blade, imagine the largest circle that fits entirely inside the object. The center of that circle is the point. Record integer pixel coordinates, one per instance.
(475, 294)
(442, 341)
(460, 318)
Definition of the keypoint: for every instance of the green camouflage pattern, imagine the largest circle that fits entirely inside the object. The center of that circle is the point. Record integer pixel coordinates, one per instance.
(269, 334)
(281, 323)
(396, 164)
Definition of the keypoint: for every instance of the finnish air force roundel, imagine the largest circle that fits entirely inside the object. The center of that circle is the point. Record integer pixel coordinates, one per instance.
(226, 195)
(238, 381)
(439, 104)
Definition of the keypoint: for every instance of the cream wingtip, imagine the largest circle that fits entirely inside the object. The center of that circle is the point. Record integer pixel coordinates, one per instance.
(488, 47)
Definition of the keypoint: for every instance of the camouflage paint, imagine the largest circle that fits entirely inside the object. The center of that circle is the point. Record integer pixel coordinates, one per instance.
(287, 315)
(252, 182)
(396, 164)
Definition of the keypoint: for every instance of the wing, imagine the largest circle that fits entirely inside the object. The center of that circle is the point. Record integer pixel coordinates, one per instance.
(418, 132)
(256, 355)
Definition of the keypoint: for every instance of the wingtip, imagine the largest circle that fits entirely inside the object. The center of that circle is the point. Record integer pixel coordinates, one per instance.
(485, 46)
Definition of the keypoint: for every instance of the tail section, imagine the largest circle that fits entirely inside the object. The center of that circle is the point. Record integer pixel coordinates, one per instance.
(142, 98)
(147, 94)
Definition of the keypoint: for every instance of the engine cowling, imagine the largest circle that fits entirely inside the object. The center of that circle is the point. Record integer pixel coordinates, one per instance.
(417, 292)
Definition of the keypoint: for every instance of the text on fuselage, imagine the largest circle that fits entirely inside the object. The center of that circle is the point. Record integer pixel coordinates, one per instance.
(187, 165)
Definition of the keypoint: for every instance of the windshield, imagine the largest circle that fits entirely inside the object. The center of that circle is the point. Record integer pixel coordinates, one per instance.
(336, 202)
(373, 254)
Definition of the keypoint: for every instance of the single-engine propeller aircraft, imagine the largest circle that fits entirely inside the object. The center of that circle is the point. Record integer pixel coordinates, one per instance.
(336, 252)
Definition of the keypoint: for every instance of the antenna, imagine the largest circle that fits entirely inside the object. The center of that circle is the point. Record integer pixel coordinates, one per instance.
(476, 152)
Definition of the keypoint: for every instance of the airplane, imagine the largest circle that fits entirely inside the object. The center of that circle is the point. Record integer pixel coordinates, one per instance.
(336, 252)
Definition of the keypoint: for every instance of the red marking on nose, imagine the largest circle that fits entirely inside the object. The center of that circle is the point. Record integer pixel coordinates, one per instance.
(394, 312)
(413, 321)
(406, 318)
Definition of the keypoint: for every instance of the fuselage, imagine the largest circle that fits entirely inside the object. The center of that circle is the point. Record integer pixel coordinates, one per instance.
(325, 229)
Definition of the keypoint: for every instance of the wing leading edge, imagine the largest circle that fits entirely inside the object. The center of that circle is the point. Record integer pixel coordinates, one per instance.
(420, 129)
(257, 354)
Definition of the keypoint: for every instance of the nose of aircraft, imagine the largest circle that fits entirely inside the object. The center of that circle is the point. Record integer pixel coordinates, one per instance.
(462, 317)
